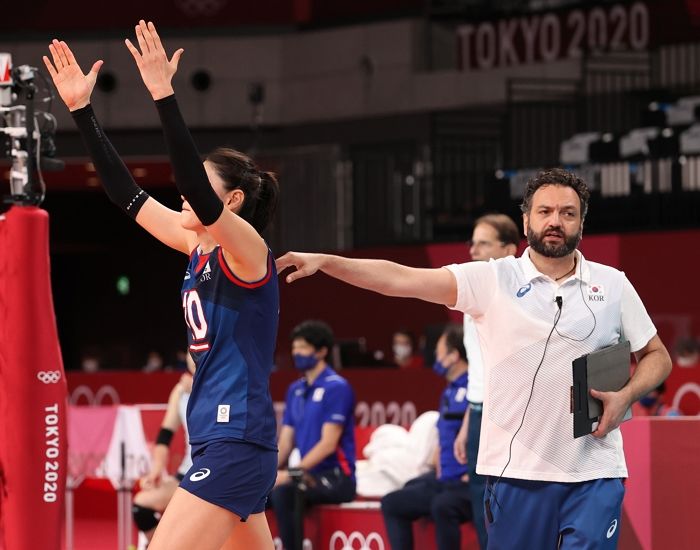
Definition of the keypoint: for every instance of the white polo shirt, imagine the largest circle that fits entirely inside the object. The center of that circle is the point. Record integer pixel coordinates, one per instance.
(475, 388)
(513, 307)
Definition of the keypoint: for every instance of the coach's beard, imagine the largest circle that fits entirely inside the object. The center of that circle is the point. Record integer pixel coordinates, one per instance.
(536, 242)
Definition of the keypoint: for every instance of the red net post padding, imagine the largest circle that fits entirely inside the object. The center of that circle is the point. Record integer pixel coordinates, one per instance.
(33, 390)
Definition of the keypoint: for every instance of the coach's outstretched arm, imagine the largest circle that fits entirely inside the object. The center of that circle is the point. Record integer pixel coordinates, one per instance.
(389, 278)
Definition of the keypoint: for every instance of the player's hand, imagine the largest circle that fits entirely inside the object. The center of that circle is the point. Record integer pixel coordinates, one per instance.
(615, 405)
(460, 445)
(282, 478)
(306, 264)
(151, 480)
(155, 68)
(73, 86)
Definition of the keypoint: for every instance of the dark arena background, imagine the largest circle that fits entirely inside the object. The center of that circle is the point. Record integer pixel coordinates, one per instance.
(392, 125)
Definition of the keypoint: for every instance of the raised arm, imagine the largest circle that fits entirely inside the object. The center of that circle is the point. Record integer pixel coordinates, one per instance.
(232, 232)
(75, 88)
(391, 279)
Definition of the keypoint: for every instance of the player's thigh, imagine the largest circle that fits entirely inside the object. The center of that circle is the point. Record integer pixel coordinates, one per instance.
(253, 533)
(191, 522)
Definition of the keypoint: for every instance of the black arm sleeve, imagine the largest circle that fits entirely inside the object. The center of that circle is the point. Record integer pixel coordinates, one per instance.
(190, 177)
(114, 175)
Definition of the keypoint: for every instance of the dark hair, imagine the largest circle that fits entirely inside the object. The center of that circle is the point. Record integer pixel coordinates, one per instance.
(556, 176)
(454, 338)
(505, 227)
(317, 333)
(261, 189)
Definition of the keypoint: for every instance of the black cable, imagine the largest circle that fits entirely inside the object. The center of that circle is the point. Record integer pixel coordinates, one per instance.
(595, 321)
(492, 489)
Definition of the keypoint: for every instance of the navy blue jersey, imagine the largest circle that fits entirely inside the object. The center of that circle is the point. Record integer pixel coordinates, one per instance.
(329, 399)
(453, 405)
(232, 328)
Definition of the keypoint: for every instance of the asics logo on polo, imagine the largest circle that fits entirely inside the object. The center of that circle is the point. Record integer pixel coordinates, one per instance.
(523, 290)
(200, 475)
(612, 529)
(49, 376)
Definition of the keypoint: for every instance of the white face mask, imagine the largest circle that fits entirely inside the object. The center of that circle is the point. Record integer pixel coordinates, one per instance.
(402, 351)
(687, 361)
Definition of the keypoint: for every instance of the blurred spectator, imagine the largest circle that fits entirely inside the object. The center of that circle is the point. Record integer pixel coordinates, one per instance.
(158, 487)
(443, 495)
(181, 360)
(90, 362)
(154, 362)
(406, 354)
(687, 352)
(653, 404)
(319, 421)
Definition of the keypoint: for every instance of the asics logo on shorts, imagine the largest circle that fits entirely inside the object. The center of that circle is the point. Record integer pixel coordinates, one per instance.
(200, 475)
(611, 530)
(49, 376)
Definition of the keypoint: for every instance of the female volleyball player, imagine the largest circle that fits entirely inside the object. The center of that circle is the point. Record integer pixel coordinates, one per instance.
(230, 299)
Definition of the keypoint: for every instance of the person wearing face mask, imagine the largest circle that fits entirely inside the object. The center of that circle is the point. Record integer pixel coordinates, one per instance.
(653, 404)
(403, 347)
(319, 421)
(442, 495)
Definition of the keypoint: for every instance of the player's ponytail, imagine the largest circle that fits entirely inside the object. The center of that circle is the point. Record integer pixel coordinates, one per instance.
(261, 190)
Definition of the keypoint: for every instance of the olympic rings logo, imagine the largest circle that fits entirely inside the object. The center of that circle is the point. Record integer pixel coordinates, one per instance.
(348, 542)
(49, 376)
(85, 393)
(687, 388)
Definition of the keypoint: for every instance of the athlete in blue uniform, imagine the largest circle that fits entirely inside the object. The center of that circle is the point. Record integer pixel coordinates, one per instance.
(230, 300)
(319, 421)
(444, 495)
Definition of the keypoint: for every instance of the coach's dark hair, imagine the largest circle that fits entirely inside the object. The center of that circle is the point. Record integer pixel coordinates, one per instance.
(260, 189)
(505, 227)
(556, 176)
(454, 339)
(317, 333)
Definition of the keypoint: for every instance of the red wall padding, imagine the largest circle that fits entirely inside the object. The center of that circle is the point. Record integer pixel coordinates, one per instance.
(33, 390)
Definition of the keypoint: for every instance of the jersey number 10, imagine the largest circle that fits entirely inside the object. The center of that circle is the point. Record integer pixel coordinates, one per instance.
(194, 317)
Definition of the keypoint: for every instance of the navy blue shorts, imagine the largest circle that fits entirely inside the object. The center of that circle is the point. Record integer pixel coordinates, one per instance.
(540, 514)
(235, 475)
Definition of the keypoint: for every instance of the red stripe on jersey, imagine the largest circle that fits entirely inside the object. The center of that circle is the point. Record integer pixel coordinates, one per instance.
(232, 277)
(202, 261)
(199, 347)
(343, 461)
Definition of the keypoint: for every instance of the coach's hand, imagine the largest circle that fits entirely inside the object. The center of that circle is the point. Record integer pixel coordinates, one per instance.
(306, 264)
(156, 71)
(73, 86)
(615, 405)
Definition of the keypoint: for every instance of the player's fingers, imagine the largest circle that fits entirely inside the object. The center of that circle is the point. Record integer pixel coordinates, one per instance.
(49, 67)
(298, 274)
(147, 36)
(154, 35)
(68, 53)
(283, 262)
(141, 40)
(61, 53)
(134, 52)
(54, 54)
